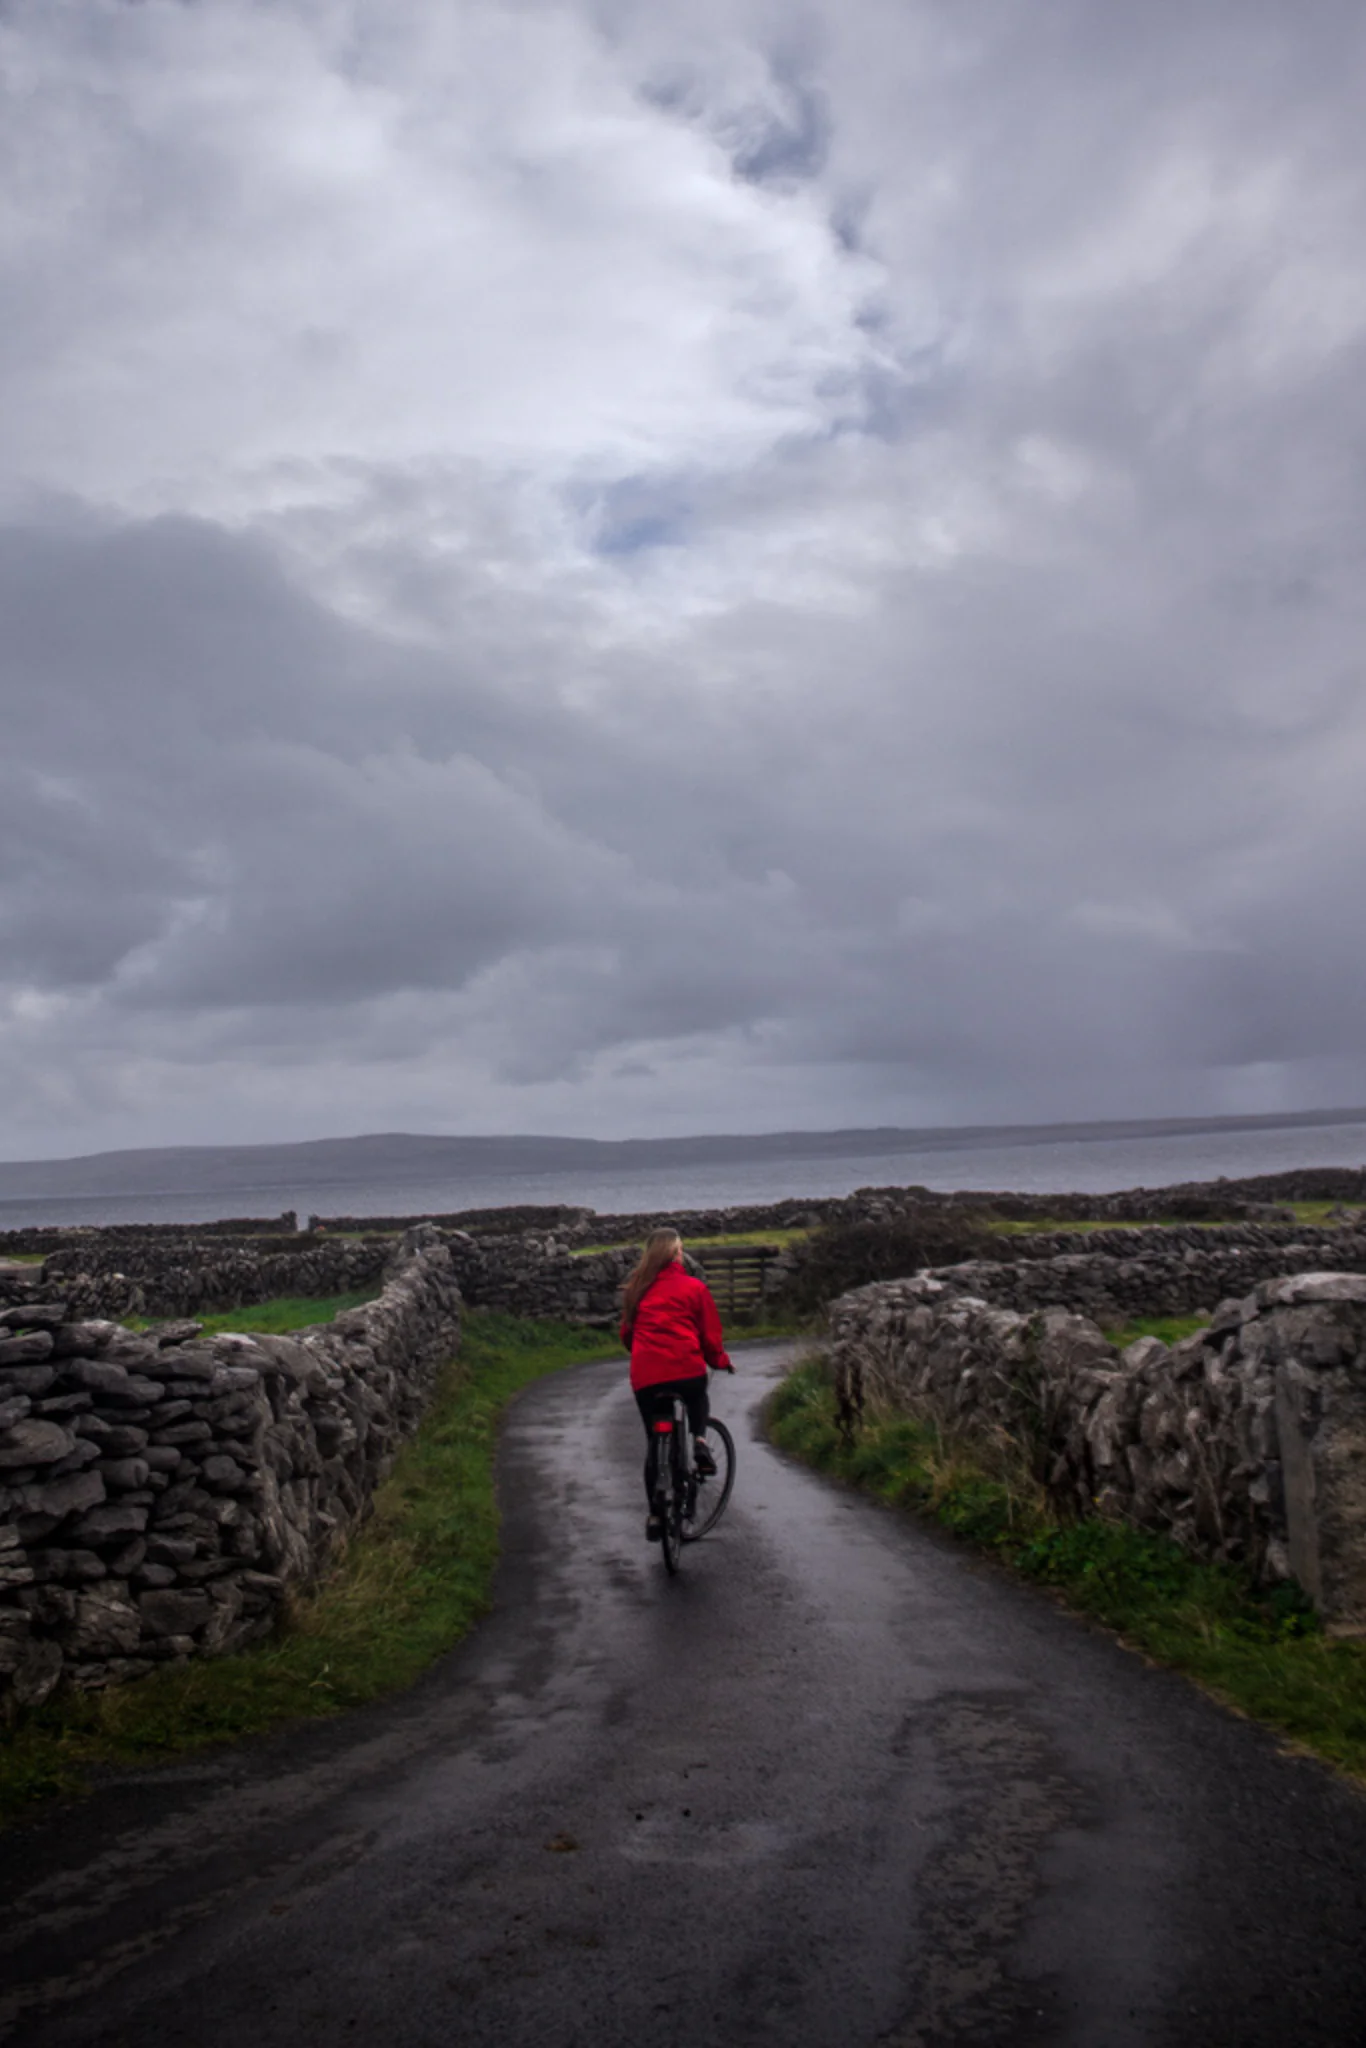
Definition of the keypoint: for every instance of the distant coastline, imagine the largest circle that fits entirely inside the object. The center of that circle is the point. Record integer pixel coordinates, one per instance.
(410, 1173)
(203, 1168)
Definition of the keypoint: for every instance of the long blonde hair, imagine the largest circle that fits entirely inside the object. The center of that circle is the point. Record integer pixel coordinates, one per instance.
(660, 1249)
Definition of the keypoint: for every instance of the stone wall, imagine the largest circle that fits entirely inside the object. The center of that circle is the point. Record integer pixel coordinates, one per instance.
(529, 1275)
(52, 1237)
(160, 1490)
(186, 1275)
(1172, 1272)
(553, 1218)
(1247, 1442)
(581, 1226)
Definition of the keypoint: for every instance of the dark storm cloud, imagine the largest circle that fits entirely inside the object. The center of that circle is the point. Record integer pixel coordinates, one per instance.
(581, 569)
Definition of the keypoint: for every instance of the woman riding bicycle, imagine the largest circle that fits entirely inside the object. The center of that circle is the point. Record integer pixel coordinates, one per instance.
(672, 1330)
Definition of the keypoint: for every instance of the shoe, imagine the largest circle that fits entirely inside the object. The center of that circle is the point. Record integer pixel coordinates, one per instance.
(704, 1461)
(654, 1529)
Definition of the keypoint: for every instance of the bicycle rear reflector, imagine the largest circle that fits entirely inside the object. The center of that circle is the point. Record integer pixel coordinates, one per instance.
(664, 1428)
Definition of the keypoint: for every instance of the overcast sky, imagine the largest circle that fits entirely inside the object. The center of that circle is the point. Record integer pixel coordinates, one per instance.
(625, 569)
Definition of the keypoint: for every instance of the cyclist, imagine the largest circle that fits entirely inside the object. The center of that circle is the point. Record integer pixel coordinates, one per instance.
(672, 1330)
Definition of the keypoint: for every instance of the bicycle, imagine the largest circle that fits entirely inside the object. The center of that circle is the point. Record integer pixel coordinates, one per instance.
(677, 1483)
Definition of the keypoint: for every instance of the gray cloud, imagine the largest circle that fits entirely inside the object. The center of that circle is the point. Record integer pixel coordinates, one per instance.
(649, 574)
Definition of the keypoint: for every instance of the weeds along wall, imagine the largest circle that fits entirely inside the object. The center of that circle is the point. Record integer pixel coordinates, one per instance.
(1247, 1442)
(159, 1491)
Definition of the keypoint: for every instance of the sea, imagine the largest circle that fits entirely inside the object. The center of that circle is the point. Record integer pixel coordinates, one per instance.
(944, 1160)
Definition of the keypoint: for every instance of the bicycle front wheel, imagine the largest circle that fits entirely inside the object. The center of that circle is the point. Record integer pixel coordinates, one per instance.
(712, 1494)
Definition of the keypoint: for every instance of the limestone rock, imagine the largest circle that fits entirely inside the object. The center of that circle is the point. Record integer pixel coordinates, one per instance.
(113, 1383)
(175, 1614)
(124, 1475)
(68, 1495)
(29, 1350)
(34, 1442)
(106, 1624)
(33, 1315)
(115, 1518)
(27, 1379)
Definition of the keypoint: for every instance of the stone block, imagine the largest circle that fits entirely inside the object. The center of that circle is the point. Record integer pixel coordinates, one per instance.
(124, 1475)
(112, 1383)
(191, 1431)
(27, 1379)
(106, 1623)
(223, 1474)
(34, 1442)
(115, 1439)
(69, 1495)
(1302, 1289)
(30, 1350)
(169, 1613)
(82, 1340)
(115, 1519)
(33, 1315)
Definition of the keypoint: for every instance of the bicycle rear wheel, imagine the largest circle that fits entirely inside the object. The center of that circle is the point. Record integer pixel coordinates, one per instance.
(712, 1494)
(673, 1494)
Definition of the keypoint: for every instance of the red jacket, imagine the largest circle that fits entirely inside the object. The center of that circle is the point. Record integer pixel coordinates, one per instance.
(676, 1333)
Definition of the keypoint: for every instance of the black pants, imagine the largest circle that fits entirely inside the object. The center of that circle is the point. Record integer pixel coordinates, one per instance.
(659, 1400)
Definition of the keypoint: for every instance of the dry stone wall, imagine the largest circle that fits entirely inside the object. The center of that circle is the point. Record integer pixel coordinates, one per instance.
(1154, 1273)
(53, 1237)
(183, 1275)
(1247, 1442)
(159, 1490)
(530, 1275)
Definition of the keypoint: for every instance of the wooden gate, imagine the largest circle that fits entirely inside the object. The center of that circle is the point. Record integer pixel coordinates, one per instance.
(737, 1275)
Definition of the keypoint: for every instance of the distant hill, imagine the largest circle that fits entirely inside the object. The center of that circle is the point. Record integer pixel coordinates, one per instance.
(398, 1159)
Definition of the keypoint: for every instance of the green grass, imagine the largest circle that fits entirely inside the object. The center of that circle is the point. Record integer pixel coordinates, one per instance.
(272, 1318)
(1316, 1212)
(1260, 1653)
(410, 1585)
(1171, 1329)
(290, 1312)
(762, 1330)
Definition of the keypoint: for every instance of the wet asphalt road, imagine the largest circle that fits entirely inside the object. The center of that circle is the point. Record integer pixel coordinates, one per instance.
(838, 1784)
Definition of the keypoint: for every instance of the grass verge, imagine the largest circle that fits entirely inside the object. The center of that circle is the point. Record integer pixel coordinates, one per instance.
(1260, 1653)
(409, 1586)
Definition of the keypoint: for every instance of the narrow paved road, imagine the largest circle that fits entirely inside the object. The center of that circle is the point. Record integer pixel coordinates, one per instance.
(839, 1784)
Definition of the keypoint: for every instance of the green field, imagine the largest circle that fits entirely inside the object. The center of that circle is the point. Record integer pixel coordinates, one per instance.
(290, 1312)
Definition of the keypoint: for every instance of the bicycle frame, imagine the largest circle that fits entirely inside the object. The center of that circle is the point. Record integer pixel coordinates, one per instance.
(672, 1442)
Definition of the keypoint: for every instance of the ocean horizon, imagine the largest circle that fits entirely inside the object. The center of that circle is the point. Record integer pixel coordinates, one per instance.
(1047, 1160)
